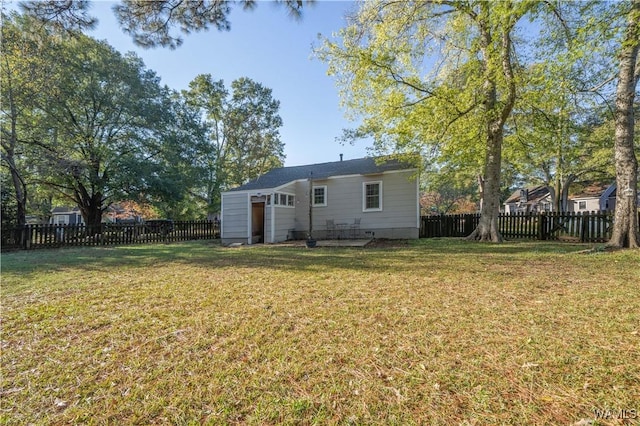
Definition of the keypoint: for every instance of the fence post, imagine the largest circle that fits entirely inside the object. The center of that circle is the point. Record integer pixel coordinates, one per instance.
(584, 227)
(542, 225)
(25, 237)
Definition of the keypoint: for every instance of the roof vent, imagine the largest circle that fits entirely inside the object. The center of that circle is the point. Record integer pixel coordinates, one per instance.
(340, 157)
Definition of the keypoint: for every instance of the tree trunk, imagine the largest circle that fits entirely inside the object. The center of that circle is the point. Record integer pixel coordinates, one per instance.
(487, 229)
(91, 210)
(19, 185)
(21, 193)
(625, 228)
(496, 114)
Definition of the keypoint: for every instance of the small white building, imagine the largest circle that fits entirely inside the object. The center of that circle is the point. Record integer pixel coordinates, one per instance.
(365, 198)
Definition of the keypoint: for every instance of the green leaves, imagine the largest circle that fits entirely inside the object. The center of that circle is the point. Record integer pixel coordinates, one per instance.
(89, 124)
(462, 80)
(242, 132)
(150, 23)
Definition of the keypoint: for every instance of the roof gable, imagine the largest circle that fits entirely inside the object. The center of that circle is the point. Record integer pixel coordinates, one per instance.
(65, 210)
(534, 194)
(361, 166)
(595, 190)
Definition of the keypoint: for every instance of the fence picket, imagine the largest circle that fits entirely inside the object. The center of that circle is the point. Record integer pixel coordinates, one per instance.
(48, 236)
(588, 227)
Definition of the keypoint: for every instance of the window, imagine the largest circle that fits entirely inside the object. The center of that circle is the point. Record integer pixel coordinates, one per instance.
(320, 196)
(372, 196)
(268, 200)
(286, 200)
(582, 205)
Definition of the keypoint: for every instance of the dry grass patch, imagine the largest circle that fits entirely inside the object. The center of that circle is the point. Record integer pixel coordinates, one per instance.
(439, 332)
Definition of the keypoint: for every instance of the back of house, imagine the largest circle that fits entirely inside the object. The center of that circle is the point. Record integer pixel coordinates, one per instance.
(361, 198)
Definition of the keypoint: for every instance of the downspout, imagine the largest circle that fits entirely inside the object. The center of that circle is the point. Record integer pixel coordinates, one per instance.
(249, 213)
(310, 236)
(273, 219)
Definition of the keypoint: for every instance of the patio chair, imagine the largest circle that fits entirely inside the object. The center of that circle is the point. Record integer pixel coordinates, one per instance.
(331, 229)
(355, 228)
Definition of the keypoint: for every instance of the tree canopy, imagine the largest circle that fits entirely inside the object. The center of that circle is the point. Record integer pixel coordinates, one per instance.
(483, 88)
(152, 23)
(441, 74)
(243, 139)
(85, 125)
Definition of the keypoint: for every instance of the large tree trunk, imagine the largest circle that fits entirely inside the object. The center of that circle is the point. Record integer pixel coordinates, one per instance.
(487, 229)
(625, 228)
(91, 209)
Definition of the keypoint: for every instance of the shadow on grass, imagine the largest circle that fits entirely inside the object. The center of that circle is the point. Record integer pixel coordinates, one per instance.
(212, 255)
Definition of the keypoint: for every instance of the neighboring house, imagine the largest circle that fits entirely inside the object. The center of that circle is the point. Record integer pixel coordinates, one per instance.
(530, 200)
(594, 197)
(362, 197)
(66, 216)
(116, 213)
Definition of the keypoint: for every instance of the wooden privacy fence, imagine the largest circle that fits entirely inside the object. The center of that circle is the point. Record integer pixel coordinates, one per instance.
(587, 227)
(107, 234)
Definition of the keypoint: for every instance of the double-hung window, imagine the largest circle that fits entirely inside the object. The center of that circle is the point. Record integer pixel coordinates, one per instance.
(372, 196)
(320, 196)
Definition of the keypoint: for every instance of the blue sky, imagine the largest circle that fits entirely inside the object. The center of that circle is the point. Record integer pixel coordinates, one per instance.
(271, 48)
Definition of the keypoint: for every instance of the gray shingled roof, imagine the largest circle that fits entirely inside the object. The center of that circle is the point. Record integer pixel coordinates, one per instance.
(534, 194)
(361, 166)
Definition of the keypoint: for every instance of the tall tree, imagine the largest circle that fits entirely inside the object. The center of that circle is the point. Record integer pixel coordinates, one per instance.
(552, 139)
(209, 98)
(625, 230)
(103, 123)
(438, 72)
(563, 98)
(150, 23)
(243, 132)
(26, 80)
(253, 127)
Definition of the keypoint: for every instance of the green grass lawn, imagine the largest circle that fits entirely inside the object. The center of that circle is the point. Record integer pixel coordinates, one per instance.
(438, 332)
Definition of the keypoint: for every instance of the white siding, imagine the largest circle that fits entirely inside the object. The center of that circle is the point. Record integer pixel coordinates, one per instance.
(235, 217)
(398, 218)
(591, 204)
(284, 222)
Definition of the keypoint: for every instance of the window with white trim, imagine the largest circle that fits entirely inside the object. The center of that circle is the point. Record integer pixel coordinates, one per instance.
(284, 200)
(372, 196)
(320, 196)
(582, 205)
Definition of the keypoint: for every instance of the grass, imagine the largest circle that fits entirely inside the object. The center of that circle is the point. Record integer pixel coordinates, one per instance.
(439, 332)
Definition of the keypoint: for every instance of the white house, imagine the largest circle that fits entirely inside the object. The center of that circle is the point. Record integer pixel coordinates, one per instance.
(529, 200)
(66, 216)
(594, 197)
(365, 197)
